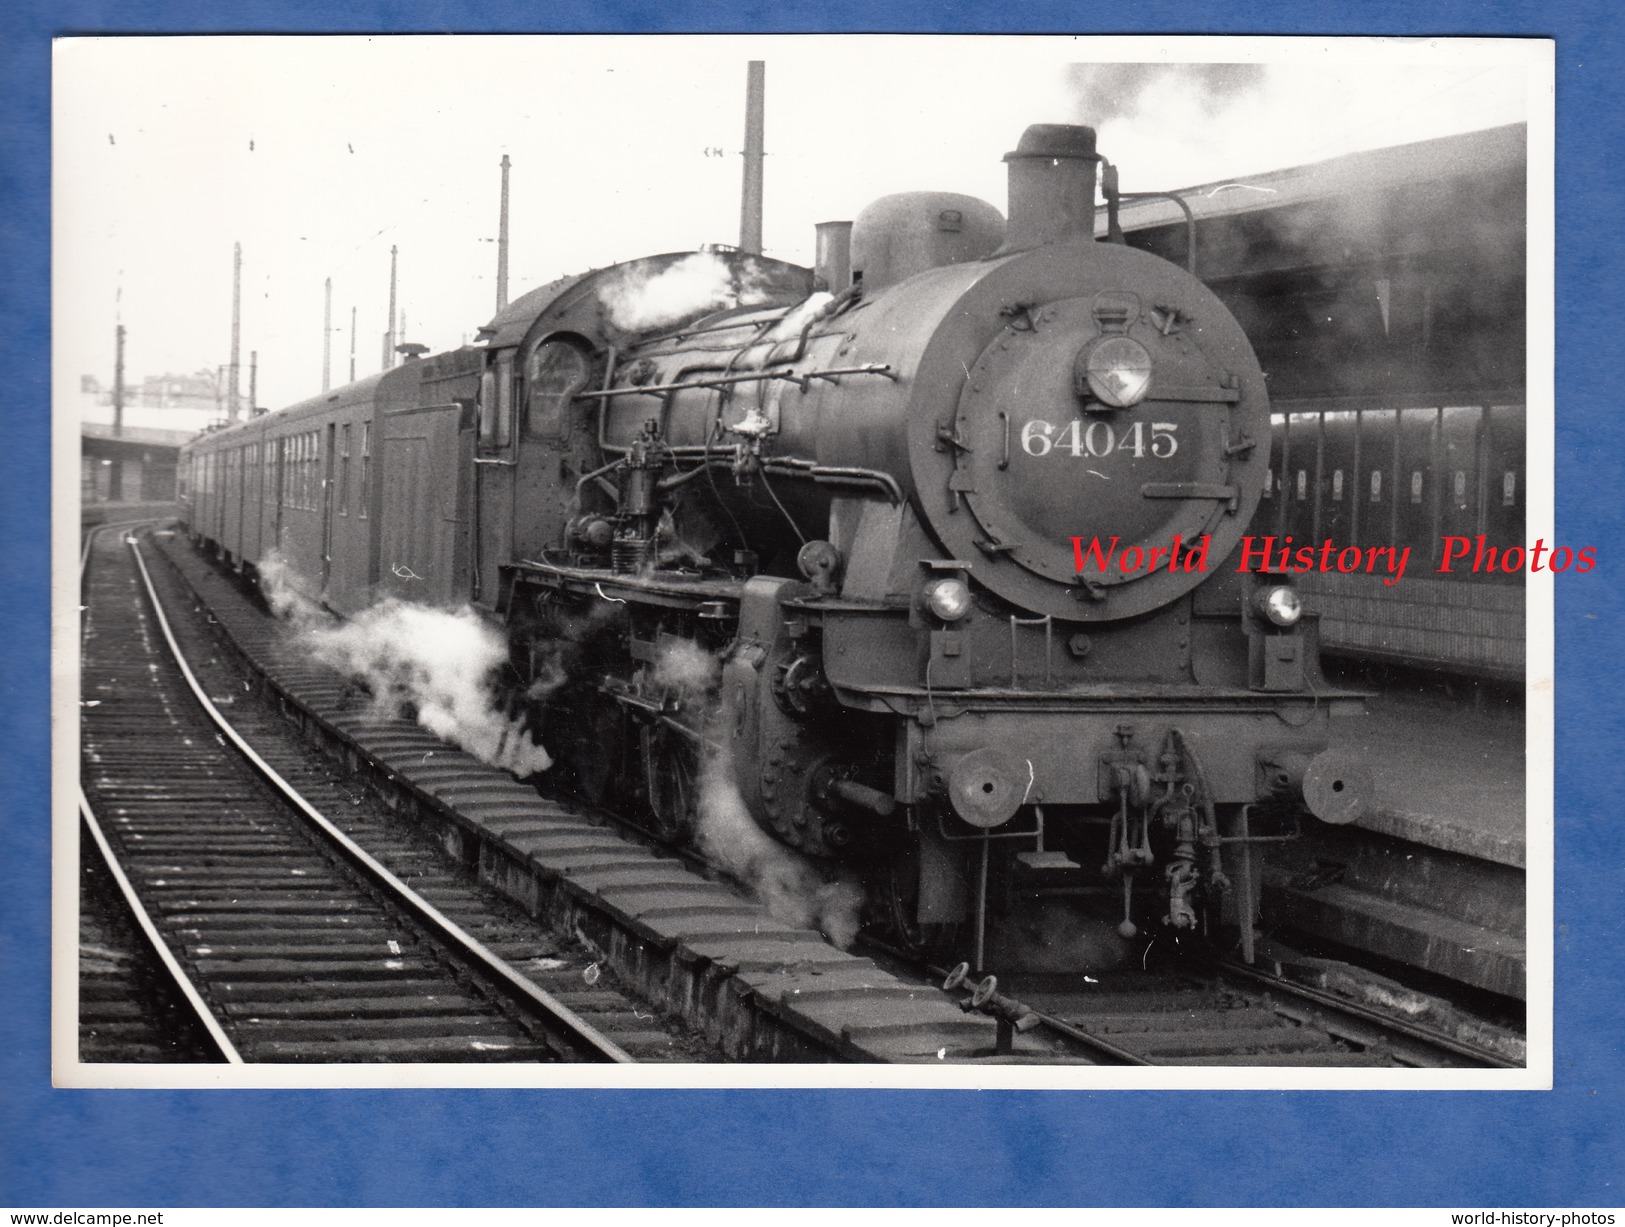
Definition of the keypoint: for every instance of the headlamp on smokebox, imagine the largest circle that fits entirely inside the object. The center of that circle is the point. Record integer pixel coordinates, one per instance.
(1277, 657)
(1115, 370)
(1279, 605)
(947, 597)
(944, 602)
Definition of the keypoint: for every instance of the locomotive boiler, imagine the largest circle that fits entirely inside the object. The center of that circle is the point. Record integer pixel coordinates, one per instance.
(951, 521)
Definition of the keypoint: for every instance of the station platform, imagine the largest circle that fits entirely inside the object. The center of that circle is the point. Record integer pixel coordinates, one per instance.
(92, 514)
(1448, 775)
(1432, 877)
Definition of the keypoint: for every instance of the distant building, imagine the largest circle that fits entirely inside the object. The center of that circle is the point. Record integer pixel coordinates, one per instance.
(136, 463)
(170, 402)
(197, 391)
(135, 466)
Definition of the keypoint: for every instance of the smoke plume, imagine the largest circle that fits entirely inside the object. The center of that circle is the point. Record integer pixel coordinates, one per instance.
(1104, 92)
(1169, 125)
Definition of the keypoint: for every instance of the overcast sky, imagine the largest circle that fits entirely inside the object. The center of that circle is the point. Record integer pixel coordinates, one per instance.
(318, 154)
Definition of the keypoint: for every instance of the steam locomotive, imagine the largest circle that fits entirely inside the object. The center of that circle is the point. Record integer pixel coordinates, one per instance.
(893, 498)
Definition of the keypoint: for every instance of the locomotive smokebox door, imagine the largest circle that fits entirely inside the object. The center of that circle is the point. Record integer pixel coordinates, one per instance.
(1106, 442)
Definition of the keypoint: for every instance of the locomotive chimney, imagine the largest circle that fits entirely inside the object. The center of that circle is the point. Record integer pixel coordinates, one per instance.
(832, 261)
(1052, 186)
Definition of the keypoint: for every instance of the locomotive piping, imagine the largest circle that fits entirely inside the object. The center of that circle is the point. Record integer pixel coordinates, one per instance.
(790, 519)
(837, 475)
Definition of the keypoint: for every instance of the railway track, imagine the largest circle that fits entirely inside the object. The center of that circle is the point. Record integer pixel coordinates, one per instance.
(1232, 1015)
(130, 1009)
(831, 1005)
(294, 943)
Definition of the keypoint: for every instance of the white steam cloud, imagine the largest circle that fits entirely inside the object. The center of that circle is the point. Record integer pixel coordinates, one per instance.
(685, 667)
(640, 297)
(444, 664)
(279, 584)
(789, 328)
(794, 889)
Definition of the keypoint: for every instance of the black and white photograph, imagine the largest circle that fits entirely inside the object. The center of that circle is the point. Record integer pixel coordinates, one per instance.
(803, 561)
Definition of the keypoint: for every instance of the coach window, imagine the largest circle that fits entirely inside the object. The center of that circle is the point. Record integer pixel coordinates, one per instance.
(496, 403)
(366, 470)
(344, 469)
(555, 373)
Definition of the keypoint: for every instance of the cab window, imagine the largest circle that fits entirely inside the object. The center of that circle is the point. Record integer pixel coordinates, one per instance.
(496, 403)
(555, 372)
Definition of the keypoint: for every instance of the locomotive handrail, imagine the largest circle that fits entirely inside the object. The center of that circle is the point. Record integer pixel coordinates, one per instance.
(873, 368)
(834, 372)
(1048, 623)
(1190, 221)
(719, 381)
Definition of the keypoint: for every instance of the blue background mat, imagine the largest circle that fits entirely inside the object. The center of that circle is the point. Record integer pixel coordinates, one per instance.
(153, 1149)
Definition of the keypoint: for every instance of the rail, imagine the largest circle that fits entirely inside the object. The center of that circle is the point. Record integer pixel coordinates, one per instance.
(196, 1007)
(564, 1027)
(519, 989)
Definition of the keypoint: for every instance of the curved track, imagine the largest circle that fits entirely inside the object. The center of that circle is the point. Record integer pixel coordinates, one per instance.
(292, 942)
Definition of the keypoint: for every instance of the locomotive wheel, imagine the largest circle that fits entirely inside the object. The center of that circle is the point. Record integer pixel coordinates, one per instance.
(671, 780)
(590, 746)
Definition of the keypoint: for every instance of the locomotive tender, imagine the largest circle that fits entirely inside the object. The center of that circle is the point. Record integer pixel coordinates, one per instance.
(860, 490)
